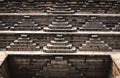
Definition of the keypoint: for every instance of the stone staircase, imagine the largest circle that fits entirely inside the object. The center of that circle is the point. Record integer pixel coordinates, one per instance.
(95, 44)
(59, 45)
(23, 43)
(60, 24)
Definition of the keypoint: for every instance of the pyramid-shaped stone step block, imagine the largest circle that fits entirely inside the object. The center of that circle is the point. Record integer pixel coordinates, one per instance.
(3, 26)
(95, 44)
(117, 27)
(23, 43)
(26, 23)
(60, 8)
(93, 25)
(60, 26)
(59, 45)
(57, 67)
